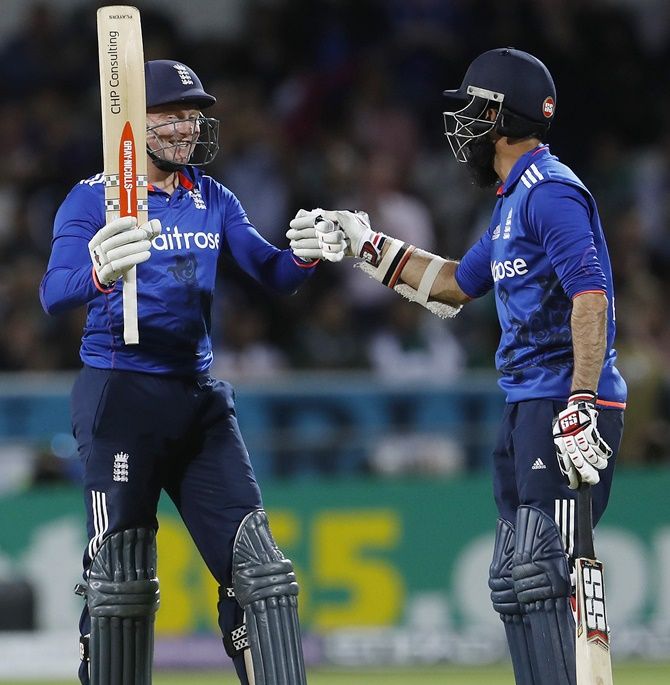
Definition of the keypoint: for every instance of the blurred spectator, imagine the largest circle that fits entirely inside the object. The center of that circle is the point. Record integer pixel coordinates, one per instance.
(339, 103)
(27, 59)
(641, 319)
(251, 162)
(246, 353)
(415, 345)
(328, 339)
(393, 210)
(651, 186)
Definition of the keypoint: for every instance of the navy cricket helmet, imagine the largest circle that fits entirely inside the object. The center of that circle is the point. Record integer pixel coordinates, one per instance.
(513, 82)
(172, 83)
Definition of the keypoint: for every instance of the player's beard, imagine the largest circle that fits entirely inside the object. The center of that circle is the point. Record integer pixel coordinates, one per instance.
(480, 154)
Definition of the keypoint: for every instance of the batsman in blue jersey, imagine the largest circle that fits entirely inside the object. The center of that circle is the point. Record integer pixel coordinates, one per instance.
(149, 417)
(545, 258)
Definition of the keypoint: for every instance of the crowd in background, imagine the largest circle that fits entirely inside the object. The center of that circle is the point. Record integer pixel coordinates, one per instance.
(337, 103)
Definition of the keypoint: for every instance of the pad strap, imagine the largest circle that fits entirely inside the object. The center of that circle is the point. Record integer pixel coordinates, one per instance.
(236, 641)
(84, 651)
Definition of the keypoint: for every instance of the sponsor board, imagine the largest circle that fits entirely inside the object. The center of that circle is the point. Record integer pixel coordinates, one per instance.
(390, 572)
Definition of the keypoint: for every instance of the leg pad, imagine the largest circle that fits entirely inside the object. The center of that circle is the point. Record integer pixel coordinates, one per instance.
(123, 597)
(542, 584)
(506, 603)
(265, 587)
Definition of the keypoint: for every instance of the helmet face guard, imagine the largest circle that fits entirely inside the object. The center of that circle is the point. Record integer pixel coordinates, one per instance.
(471, 122)
(171, 150)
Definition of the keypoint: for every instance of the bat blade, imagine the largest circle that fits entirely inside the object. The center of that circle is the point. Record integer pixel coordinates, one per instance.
(592, 633)
(592, 646)
(123, 100)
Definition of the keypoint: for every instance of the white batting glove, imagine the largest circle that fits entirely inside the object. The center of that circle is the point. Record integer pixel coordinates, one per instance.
(311, 237)
(580, 450)
(302, 235)
(362, 241)
(332, 241)
(120, 245)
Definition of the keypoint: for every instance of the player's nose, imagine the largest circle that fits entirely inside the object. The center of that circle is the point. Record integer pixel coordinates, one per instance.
(187, 127)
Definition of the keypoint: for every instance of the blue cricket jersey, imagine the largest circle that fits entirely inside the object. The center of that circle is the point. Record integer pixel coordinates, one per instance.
(544, 246)
(201, 220)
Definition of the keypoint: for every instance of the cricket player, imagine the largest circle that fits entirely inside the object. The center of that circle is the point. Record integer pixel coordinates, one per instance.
(545, 257)
(149, 417)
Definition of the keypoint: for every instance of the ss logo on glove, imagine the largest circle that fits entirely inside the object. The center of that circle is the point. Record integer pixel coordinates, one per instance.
(580, 450)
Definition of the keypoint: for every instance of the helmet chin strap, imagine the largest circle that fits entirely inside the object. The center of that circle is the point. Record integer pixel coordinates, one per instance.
(163, 164)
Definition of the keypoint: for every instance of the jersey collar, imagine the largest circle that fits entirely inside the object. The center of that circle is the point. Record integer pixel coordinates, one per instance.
(520, 166)
(188, 179)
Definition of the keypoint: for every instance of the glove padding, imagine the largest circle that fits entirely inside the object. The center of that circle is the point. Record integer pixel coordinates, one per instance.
(120, 245)
(580, 450)
(358, 233)
(313, 237)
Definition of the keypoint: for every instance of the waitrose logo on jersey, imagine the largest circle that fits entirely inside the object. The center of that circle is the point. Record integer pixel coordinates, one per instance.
(508, 269)
(171, 238)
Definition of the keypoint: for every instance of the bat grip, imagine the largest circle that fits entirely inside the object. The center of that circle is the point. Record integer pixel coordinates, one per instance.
(584, 543)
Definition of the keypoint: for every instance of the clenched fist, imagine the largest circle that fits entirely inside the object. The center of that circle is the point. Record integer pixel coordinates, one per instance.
(120, 245)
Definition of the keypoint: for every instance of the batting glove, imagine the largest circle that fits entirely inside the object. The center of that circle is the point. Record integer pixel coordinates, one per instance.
(580, 450)
(119, 246)
(361, 240)
(313, 237)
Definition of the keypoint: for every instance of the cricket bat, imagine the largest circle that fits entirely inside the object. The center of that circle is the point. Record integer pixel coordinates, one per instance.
(594, 665)
(123, 99)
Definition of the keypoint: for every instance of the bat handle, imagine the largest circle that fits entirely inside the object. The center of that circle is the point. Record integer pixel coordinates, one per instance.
(584, 543)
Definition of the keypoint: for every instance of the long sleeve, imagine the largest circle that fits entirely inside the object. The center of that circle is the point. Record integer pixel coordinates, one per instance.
(473, 274)
(66, 285)
(68, 281)
(560, 215)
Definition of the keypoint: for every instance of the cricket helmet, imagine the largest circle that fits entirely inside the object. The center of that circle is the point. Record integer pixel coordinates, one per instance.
(167, 83)
(513, 82)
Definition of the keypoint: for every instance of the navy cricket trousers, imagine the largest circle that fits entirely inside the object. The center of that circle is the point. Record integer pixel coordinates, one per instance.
(138, 434)
(526, 470)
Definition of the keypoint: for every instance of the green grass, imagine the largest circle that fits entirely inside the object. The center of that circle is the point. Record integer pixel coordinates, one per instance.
(642, 673)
